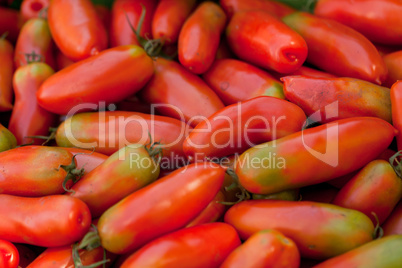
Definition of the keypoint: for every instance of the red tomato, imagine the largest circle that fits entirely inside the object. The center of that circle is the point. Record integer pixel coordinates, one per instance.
(261, 39)
(132, 168)
(176, 92)
(213, 212)
(313, 155)
(76, 28)
(34, 43)
(166, 205)
(126, 12)
(169, 17)
(238, 127)
(200, 246)
(107, 132)
(235, 80)
(6, 75)
(110, 76)
(28, 118)
(33, 9)
(338, 49)
(9, 256)
(396, 99)
(328, 99)
(199, 37)
(50, 221)
(393, 224)
(42, 173)
(268, 248)
(379, 20)
(319, 230)
(376, 188)
(276, 9)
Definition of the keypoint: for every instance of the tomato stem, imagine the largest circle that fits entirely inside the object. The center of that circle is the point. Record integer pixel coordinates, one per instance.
(154, 149)
(396, 164)
(378, 231)
(242, 195)
(73, 173)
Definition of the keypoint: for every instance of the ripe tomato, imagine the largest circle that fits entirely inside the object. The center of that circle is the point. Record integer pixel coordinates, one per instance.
(9, 256)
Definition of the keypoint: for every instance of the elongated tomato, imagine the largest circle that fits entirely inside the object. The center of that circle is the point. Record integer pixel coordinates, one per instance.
(169, 17)
(328, 99)
(6, 75)
(42, 173)
(393, 61)
(176, 92)
(378, 253)
(132, 168)
(265, 248)
(376, 188)
(34, 43)
(50, 221)
(199, 37)
(259, 38)
(201, 246)
(240, 126)
(319, 230)
(28, 118)
(313, 155)
(337, 48)
(235, 80)
(76, 28)
(181, 196)
(379, 20)
(110, 76)
(109, 131)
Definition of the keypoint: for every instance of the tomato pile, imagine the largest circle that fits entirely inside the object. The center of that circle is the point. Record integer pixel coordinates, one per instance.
(184, 133)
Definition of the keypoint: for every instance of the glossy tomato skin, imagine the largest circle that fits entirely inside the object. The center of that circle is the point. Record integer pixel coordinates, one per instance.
(376, 188)
(6, 75)
(110, 76)
(259, 38)
(234, 80)
(9, 256)
(7, 139)
(213, 212)
(28, 118)
(347, 97)
(338, 49)
(41, 175)
(54, 220)
(180, 94)
(276, 9)
(10, 22)
(35, 38)
(205, 245)
(78, 20)
(377, 253)
(120, 31)
(298, 160)
(33, 9)
(263, 249)
(238, 127)
(199, 37)
(164, 206)
(396, 99)
(319, 230)
(109, 131)
(393, 224)
(168, 19)
(393, 61)
(373, 18)
(131, 169)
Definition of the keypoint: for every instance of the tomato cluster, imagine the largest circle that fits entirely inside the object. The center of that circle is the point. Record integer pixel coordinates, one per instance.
(184, 133)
